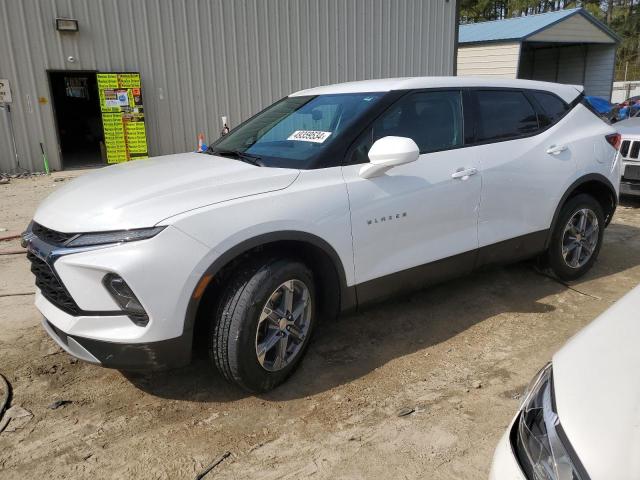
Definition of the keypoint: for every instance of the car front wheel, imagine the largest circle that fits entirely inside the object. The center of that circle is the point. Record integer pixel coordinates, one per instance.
(577, 237)
(263, 324)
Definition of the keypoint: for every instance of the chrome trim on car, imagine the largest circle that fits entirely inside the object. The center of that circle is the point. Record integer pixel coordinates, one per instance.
(50, 253)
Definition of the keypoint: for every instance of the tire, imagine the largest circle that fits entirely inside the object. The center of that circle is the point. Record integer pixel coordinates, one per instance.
(235, 338)
(564, 239)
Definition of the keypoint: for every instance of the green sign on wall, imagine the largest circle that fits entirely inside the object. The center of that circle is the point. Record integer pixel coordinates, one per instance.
(125, 135)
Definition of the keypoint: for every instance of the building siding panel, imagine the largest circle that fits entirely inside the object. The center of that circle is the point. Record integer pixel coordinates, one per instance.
(599, 70)
(544, 66)
(572, 30)
(571, 65)
(201, 59)
(588, 65)
(495, 60)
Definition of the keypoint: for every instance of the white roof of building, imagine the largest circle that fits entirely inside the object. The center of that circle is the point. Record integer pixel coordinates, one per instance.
(566, 92)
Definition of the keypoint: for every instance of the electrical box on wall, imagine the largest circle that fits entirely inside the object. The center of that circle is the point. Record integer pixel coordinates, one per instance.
(5, 91)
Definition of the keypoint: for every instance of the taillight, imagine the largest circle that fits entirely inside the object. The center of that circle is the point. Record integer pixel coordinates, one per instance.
(615, 139)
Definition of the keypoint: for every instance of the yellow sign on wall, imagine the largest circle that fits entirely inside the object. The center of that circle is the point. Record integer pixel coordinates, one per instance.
(123, 121)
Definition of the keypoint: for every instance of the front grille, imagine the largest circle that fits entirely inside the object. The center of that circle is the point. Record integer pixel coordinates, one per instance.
(630, 149)
(51, 287)
(624, 149)
(51, 236)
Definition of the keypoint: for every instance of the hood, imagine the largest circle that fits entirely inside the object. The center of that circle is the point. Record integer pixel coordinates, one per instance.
(630, 126)
(141, 193)
(597, 390)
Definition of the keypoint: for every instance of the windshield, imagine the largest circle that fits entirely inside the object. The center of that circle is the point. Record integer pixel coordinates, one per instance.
(294, 131)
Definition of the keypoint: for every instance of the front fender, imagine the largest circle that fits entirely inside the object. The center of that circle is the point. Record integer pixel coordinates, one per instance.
(213, 263)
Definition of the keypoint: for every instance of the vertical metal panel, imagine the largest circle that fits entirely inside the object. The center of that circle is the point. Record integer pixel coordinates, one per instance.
(200, 59)
(599, 72)
(543, 64)
(590, 65)
(571, 65)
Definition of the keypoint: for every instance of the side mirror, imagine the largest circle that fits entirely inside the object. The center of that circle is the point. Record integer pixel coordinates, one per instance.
(389, 152)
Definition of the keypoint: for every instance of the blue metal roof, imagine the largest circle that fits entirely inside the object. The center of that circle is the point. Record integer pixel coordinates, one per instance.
(519, 28)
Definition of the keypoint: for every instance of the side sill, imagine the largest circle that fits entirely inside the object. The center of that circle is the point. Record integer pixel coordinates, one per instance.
(416, 278)
(513, 250)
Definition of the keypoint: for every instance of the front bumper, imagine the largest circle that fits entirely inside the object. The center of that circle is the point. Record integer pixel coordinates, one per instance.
(505, 465)
(629, 187)
(630, 181)
(172, 353)
(162, 272)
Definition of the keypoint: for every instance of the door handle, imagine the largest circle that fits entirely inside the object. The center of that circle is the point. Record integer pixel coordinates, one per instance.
(556, 149)
(464, 173)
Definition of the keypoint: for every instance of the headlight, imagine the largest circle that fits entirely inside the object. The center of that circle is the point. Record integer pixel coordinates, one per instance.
(101, 238)
(539, 448)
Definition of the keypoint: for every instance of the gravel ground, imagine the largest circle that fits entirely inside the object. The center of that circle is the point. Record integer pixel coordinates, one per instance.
(459, 355)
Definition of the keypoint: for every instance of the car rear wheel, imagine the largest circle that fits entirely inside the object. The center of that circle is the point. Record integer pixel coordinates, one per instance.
(577, 237)
(263, 323)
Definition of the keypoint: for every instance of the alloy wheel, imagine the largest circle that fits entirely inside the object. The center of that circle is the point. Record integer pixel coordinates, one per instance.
(580, 238)
(283, 325)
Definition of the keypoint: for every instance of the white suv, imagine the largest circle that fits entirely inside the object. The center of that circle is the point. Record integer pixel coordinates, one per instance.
(329, 199)
(630, 156)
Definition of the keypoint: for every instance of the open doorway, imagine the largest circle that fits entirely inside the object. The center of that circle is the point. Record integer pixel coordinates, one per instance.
(76, 107)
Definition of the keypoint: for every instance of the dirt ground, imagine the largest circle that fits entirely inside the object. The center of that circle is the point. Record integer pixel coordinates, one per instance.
(458, 354)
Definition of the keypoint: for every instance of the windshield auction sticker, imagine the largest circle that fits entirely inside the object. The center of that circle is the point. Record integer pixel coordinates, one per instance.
(314, 136)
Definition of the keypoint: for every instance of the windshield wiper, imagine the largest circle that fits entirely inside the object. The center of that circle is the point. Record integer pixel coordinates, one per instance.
(242, 156)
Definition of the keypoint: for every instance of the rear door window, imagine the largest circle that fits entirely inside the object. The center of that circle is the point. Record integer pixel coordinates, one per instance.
(553, 108)
(503, 115)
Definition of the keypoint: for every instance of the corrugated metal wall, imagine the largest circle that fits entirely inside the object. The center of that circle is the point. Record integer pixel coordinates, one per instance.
(200, 59)
(601, 61)
(562, 64)
(590, 65)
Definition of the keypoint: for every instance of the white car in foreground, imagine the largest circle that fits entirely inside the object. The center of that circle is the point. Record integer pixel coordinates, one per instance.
(580, 417)
(630, 155)
(329, 199)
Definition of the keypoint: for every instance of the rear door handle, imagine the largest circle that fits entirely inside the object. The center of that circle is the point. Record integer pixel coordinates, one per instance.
(556, 149)
(464, 173)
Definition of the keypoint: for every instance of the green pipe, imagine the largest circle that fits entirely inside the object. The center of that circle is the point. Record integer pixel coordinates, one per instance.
(44, 160)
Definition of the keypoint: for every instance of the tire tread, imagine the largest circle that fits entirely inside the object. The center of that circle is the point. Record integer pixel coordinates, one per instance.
(235, 302)
(231, 301)
(554, 263)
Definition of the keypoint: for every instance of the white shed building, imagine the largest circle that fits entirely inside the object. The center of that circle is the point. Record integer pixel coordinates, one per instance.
(566, 46)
